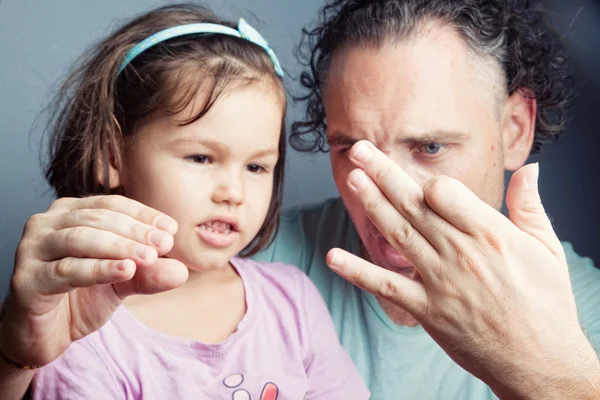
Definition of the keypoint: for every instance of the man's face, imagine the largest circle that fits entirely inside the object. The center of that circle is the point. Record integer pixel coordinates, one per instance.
(433, 107)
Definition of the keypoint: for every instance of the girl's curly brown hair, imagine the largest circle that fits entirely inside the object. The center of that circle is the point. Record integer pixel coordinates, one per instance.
(514, 33)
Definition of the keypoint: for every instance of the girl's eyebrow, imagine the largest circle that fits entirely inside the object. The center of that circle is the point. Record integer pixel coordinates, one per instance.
(265, 153)
(197, 140)
(217, 146)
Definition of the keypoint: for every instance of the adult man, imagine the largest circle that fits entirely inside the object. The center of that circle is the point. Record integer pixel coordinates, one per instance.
(461, 89)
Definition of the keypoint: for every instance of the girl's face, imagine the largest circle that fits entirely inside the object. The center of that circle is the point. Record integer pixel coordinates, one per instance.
(214, 176)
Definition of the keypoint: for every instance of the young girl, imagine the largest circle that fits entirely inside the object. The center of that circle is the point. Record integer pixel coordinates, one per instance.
(183, 113)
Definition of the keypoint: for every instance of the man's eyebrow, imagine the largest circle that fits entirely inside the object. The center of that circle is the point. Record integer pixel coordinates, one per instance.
(435, 136)
(341, 139)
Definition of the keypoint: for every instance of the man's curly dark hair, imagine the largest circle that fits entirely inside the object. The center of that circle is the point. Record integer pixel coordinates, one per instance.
(514, 33)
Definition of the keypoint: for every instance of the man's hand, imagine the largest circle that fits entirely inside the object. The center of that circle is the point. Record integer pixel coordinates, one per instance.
(73, 267)
(494, 292)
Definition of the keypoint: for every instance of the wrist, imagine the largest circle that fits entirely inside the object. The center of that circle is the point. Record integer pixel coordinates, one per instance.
(13, 381)
(6, 357)
(570, 370)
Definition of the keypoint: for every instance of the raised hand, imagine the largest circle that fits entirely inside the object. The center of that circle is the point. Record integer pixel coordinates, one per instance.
(73, 267)
(494, 292)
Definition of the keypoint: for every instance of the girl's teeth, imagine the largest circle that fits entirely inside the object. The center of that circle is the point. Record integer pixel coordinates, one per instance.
(217, 227)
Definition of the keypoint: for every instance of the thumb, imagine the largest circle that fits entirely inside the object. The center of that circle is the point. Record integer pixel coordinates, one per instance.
(526, 211)
(165, 274)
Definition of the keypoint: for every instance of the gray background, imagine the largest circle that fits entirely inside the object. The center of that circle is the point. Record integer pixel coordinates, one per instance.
(40, 39)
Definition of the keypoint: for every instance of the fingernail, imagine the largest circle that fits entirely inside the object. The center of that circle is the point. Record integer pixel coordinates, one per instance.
(362, 153)
(358, 179)
(157, 238)
(532, 178)
(166, 224)
(335, 263)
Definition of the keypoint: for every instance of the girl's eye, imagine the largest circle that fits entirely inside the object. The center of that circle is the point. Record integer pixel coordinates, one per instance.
(255, 168)
(199, 159)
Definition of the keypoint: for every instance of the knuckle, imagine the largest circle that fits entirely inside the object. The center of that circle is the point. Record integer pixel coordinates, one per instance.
(35, 233)
(64, 268)
(472, 261)
(373, 204)
(24, 251)
(98, 269)
(139, 232)
(434, 312)
(116, 198)
(19, 280)
(63, 202)
(82, 217)
(495, 242)
(358, 275)
(466, 261)
(33, 223)
(94, 216)
(387, 289)
(71, 236)
(104, 201)
(414, 204)
(402, 234)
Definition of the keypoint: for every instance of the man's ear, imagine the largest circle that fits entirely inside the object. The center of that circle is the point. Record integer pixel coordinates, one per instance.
(518, 128)
(107, 172)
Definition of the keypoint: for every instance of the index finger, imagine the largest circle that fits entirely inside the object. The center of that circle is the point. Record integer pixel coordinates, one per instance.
(382, 169)
(404, 292)
(120, 204)
(405, 195)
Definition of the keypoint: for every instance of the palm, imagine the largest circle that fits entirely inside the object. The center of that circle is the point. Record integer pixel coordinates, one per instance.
(58, 320)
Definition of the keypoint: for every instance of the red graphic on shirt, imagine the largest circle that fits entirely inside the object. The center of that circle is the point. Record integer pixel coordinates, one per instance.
(270, 392)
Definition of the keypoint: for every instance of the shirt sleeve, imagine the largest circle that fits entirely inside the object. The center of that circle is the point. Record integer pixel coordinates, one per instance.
(585, 280)
(79, 374)
(330, 370)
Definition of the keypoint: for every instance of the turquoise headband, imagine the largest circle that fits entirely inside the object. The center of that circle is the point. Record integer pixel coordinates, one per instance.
(244, 31)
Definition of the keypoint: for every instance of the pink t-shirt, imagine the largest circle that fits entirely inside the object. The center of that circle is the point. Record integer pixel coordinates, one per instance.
(285, 347)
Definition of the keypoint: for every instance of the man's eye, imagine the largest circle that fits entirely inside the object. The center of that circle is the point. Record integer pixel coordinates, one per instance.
(344, 150)
(432, 148)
